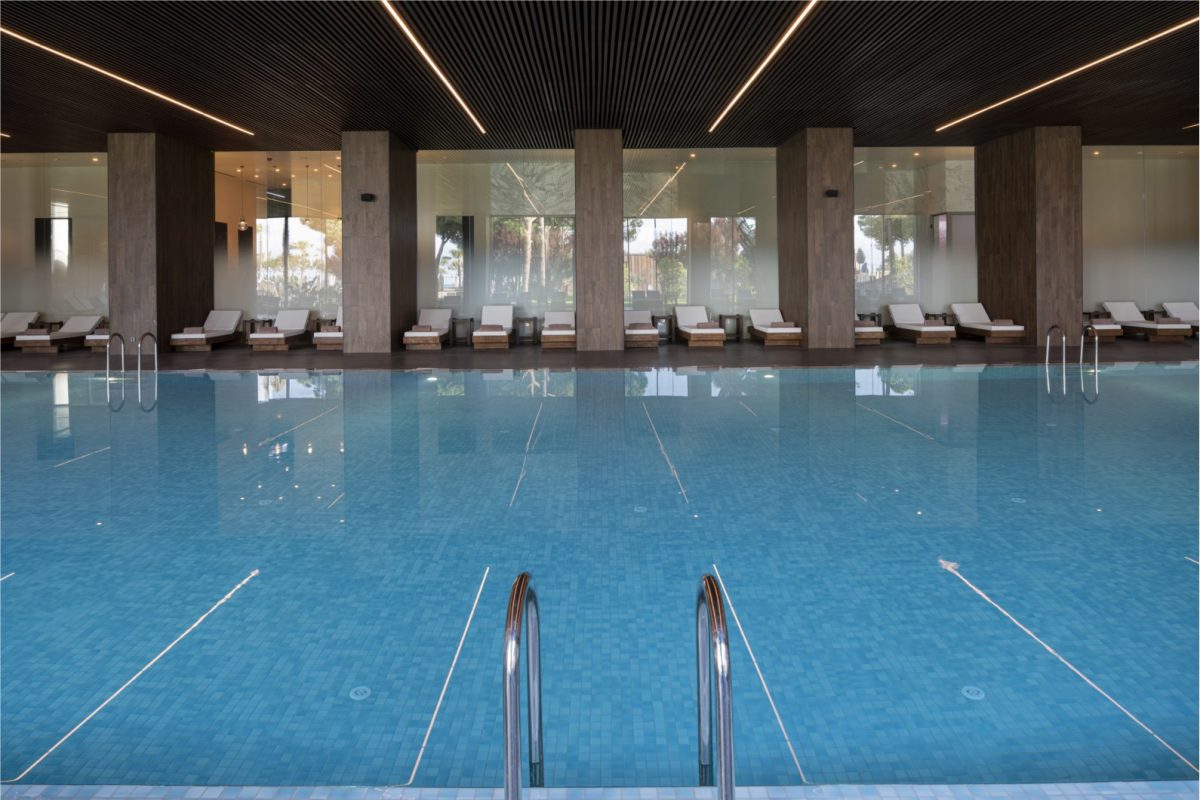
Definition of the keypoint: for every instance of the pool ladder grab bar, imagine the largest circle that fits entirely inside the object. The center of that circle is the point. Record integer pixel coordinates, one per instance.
(1063, 334)
(712, 663)
(712, 650)
(522, 610)
(141, 340)
(1095, 361)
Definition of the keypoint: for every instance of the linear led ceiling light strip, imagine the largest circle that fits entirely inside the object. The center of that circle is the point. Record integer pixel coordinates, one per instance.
(124, 80)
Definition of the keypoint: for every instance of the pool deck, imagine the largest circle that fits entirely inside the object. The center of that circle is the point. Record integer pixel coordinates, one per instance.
(1148, 790)
(733, 355)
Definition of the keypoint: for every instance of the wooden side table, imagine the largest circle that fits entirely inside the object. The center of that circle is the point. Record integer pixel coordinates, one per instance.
(526, 329)
(461, 329)
(736, 333)
(666, 326)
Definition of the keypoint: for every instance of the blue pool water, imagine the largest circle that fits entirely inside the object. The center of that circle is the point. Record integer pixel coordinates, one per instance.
(373, 502)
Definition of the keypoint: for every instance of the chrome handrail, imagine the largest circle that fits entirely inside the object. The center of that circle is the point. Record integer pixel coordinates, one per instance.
(1064, 357)
(108, 355)
(141, 339)
(522, 608)
(1095, 360)
(712, 644)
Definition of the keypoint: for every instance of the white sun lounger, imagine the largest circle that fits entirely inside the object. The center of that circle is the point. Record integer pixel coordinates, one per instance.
(1184, 312)
(761, 321)
(640, 337)
(330, 340)
(973, 320)
(559, 337)
(15, 322)
(495, 339)
(908, 322)
(291, 325)
(220, 326)
(1132, 323)
(438, 320)
(73, 331)
(687, 321)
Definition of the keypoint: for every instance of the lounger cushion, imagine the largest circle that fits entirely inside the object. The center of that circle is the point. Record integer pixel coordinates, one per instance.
(868, 329)
(73, 328)
(1156, 326)
(505, 332)
(436, 318)
(691, 329)
(17, 322)
(638, 316)
(422, 334)
(690, 316)
(923, 328)
(1186, 312)
(970, 313)
(280, 334)
(221, 322)
(328, 335)
(497, 315)
(773, 329)
(991, 326)
(906, 314)
(644, 332)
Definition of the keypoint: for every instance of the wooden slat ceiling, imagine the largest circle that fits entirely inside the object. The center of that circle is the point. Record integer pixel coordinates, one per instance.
(297, 73)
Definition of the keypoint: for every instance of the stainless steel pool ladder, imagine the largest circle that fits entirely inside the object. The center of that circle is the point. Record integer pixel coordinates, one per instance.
(108, 370)
(1095, 361)
(522, 609)
(141, 340)
(1063, 334)
(712, 649)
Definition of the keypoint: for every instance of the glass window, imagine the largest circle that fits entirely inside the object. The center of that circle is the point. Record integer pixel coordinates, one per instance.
(700, 229)
(656, 262)
(450, 248)
(290, 253)
(496, 227)
(914, 227)
(532, 262)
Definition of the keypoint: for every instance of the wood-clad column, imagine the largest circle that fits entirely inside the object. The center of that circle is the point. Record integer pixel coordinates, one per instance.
(816, 234)
(1029, 228)
(599, 289)
(379, 241)
(160, 234)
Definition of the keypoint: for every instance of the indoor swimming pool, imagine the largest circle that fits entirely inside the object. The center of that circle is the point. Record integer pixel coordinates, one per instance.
(939, 575)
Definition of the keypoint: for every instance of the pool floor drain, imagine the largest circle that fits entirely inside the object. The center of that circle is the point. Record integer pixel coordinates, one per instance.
(972, 692)
(363, 692)
(639, 509)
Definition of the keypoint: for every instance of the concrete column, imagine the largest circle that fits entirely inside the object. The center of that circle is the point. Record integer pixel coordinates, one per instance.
(599, 287)
(160, 234)
(1029, 228)
(815, 187)
(379, 240)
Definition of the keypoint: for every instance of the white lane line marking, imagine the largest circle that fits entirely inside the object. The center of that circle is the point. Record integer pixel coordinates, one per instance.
(336, 500)
(761, 679)
(80, 458)
(898, 422)
(525, 460)
(6, 577)
(748, 408)
(301, 425)
(446, 684)
(1194, 561)
(137, 675)
(662, 449)
(952, 568)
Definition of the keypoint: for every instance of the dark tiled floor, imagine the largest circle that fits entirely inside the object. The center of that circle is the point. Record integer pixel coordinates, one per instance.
(745, 354)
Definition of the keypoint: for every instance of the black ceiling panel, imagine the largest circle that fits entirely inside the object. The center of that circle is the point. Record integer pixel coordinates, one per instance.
(298, 73)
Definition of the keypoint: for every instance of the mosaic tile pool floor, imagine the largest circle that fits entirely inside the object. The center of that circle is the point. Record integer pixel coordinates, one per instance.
(373, 504)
